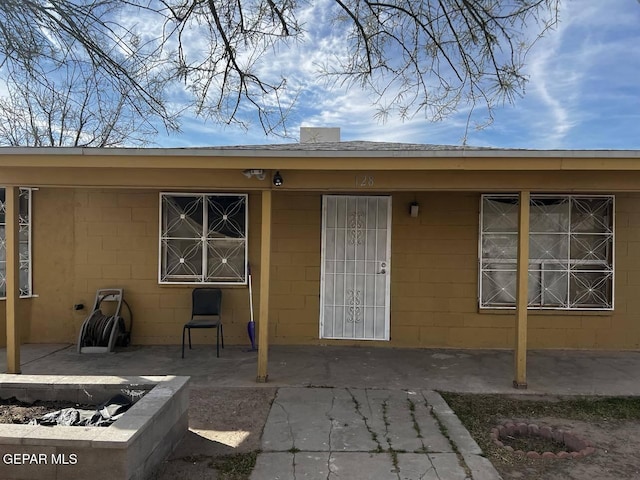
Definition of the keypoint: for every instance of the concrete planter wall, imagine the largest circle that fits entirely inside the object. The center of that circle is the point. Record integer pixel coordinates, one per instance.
(130, 449)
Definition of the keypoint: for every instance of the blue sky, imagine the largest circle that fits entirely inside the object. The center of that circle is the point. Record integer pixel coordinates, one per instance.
(583, 93)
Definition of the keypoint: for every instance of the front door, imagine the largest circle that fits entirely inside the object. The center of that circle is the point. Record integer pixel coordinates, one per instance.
(355, 271)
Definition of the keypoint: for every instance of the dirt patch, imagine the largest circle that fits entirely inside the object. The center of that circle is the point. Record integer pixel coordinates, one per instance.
(15, 411)
(533, 443)
(616, 443)
(225, 425)
(611, 425)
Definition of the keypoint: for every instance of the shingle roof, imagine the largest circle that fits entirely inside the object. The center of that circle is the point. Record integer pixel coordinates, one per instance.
(352, 146)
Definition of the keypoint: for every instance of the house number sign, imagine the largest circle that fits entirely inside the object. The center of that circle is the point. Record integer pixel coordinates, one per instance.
(364, 181)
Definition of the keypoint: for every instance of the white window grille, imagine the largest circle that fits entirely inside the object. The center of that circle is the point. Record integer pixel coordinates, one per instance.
(570, 252)
(24, 240)
(203, 238)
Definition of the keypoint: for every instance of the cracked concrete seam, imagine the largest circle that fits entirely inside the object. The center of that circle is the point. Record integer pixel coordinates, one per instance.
(328, 415)
(358, 410)
(293, 464)
(392, 453)
(383, 411)
(288, 419)
(460, 438)
(412, 413)
(458, 434)
(446, 419)
(423, 475)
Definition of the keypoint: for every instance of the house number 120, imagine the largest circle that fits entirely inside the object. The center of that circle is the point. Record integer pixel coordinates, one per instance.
(364, 181)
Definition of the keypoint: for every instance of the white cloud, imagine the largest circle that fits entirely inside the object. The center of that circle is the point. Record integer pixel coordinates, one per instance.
(552, 86)
(583, 91)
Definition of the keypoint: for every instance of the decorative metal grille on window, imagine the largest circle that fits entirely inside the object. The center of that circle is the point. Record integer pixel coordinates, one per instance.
(24, 240)
(570, 251)
(203, 238)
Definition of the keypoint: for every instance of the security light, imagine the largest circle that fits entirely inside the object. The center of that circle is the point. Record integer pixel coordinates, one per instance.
(277, 180)
(414, 209)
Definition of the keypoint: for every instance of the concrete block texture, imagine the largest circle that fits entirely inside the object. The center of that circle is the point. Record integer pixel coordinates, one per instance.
(130, 449)
(101, 237)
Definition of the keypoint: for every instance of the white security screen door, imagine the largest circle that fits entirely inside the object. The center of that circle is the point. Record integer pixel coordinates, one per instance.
(356, 247)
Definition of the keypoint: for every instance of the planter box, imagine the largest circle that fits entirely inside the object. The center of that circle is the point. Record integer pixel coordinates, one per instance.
(130, 448)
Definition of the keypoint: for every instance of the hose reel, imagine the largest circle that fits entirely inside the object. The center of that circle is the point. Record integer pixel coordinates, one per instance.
(100, 331)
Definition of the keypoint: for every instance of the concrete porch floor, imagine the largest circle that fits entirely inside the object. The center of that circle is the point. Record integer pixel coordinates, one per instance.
(480, 371)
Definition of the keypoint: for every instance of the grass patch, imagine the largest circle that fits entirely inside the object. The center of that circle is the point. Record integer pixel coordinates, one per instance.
(480, 413)
(385, 408)
(412, 412)
(235, 467)
(394, 459)
(472, 409)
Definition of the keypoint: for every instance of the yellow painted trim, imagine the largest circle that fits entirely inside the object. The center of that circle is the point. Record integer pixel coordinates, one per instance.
(12, 276)
(328, 160)
(522, 292)
(265, 267)
(334, 181)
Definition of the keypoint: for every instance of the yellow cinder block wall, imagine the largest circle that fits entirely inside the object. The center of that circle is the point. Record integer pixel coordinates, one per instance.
(434, 272)
(295, 273)
(85, 239)
(467, 327)
(434, 279)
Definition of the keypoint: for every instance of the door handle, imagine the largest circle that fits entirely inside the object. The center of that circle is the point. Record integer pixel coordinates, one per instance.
(383, 268)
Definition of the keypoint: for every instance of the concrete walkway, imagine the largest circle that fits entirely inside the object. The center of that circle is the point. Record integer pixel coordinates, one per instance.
(351, 433)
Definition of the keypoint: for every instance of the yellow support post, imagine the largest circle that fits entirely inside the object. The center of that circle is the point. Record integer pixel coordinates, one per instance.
(12, 276)
(265, 267)
(522, 292)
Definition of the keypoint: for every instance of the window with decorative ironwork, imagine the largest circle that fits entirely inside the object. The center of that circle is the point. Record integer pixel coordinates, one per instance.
(203, 238)
(24, 243)
(570, 251)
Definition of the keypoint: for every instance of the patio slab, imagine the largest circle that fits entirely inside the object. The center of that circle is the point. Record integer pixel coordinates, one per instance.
(476, 371)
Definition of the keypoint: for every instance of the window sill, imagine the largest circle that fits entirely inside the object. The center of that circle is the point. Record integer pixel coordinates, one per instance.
(23, 298)
(201, 285)
(538, 312)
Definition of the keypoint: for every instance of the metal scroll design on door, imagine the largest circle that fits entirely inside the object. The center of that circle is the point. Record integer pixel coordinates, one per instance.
(356, 223)
(354, 312)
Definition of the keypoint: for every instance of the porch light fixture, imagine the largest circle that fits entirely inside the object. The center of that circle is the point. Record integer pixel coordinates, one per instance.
(277, 180)
(414, 209)
(254, 172)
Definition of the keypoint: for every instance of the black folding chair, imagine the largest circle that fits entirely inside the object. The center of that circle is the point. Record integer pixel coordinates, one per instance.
(205, 313)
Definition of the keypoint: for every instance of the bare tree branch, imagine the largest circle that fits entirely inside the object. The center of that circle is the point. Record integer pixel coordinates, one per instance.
(427, 57)
(75, 108)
